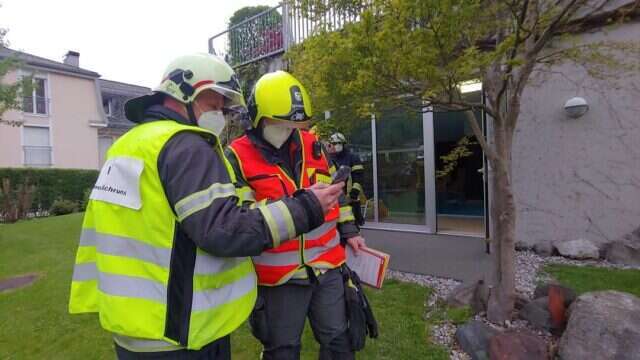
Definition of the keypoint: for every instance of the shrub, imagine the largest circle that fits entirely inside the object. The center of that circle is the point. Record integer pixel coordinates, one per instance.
(15, 202)
(51, 184)
(85, 200)
(63, 207)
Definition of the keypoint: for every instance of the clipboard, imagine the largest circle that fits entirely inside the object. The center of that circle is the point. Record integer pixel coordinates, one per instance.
(370, 265)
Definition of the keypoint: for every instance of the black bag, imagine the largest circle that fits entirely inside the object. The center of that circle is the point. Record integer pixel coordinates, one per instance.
(359, 312)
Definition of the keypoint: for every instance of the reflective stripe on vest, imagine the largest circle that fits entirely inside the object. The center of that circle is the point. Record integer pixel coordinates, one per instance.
(125, 255)
(144, 345)
(322, 247)
(136, 287)
(346, 214)
(285, 258)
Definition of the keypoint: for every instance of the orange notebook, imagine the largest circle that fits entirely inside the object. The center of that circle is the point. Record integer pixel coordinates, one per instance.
(370, 265)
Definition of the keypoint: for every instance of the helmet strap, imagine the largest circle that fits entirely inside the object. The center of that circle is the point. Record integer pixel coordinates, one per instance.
(192, 114)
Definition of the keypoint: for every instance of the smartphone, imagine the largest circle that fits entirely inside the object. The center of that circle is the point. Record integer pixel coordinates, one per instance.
(341, 175)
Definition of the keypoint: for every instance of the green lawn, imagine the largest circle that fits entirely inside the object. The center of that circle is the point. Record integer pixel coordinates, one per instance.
(34, 323)
(587, 278)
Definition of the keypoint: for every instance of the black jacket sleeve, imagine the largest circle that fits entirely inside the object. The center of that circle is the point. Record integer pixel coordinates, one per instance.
(188, 166)
(357, 169)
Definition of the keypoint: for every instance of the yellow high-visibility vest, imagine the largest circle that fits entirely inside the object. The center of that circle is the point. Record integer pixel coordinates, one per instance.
(127, 252)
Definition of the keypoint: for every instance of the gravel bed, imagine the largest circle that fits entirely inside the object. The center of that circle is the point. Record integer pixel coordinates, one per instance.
(459, 355)
(597, 263)
(528, 264)
(442, 286)
(528, 275)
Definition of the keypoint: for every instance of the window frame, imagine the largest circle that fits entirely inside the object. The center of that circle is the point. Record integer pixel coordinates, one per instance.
(47, 94)
(23, 145)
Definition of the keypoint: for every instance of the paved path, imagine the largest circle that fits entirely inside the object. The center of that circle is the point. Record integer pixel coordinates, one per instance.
(17, 282)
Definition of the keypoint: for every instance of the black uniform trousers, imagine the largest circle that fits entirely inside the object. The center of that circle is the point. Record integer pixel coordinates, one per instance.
(281, 311)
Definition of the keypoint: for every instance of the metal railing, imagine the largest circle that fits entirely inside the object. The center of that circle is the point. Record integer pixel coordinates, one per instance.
(277, 29)
(38, 105)
(255, 38)
(37, 156)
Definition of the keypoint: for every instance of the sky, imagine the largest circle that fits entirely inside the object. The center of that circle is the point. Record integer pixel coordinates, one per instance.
(128, 41)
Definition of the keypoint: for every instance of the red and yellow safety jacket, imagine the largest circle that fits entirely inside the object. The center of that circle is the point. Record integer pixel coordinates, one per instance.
(322, 248)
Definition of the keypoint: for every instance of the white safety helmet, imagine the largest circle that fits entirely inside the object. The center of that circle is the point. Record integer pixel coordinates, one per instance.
(337, 138)
(185, 78)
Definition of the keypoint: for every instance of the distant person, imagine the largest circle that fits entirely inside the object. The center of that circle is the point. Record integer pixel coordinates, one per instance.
(341, 155)
(163, 255)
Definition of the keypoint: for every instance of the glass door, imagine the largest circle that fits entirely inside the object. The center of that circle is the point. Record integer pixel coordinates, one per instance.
(400, 168)
(459, 173)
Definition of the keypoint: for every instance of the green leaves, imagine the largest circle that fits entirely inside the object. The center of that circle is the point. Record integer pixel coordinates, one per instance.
(11, 93)
(398, 48)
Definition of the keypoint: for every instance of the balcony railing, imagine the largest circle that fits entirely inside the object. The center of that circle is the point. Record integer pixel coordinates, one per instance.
(35, 105)
(275, 30)
(37, 156)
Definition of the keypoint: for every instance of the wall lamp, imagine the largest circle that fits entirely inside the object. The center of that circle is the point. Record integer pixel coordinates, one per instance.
(576, 107)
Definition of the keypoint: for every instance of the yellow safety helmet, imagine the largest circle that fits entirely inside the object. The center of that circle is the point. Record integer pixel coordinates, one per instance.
(280, 96)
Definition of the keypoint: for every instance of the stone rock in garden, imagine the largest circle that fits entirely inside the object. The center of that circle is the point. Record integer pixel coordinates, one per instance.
(578, 249)
(474, 337)
(461, 295)
(473, 295)
(602, 325)
(522, 246)
(480, 298)
(557, 309)
(543, 290)
(626, 250)
(537, 313)
(520, 301)
(513, 345)
(544, 248)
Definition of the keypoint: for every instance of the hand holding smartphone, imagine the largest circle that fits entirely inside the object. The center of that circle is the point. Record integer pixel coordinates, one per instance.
(341, 175)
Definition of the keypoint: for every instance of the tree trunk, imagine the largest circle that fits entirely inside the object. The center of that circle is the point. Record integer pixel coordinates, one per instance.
(503, 215)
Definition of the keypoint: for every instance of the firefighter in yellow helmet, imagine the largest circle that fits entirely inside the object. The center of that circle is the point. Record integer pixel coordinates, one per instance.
(166, 238)
(300, 278)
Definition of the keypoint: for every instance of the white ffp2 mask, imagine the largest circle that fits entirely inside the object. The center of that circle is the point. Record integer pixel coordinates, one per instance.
(276, 135)
(213, 121)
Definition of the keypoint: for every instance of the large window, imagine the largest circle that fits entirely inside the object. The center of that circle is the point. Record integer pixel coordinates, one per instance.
(400, 168)
(459, 170)
(360, 144)
(36, 146)
(107, 105)
(423, 171)
(36, 102)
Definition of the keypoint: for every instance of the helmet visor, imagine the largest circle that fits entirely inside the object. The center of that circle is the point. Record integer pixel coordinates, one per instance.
(232, 98)
(288, 123)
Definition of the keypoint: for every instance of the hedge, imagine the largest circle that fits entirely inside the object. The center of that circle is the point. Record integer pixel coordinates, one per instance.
(52, 184)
